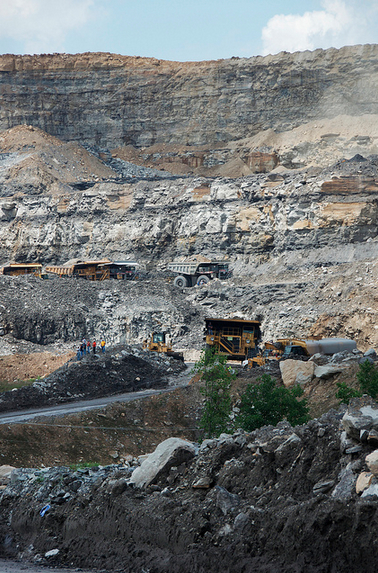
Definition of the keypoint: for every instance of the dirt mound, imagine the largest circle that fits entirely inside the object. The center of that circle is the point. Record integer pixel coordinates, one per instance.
(19, 367)
(36, 163)
(26, 138)
(123, 369)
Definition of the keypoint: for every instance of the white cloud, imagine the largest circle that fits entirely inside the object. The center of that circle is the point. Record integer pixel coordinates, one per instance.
(339, 24)
(42, 25)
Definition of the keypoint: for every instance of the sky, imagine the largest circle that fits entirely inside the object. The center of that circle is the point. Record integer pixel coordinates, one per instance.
(184, 30)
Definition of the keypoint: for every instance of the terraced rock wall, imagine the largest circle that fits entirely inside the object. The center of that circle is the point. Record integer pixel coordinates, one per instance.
(110, 100)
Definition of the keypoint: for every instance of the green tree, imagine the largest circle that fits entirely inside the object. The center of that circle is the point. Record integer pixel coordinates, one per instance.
(217, 378)
(267, 403)
(368, 379)
(346, 393)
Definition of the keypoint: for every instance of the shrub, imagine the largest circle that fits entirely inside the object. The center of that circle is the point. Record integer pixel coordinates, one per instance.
(266, 403)
(217, 377)
(368, 379)
(345, 393)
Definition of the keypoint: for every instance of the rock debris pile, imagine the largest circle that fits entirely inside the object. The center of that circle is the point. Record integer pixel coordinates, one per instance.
(276, 499)
(121, 369)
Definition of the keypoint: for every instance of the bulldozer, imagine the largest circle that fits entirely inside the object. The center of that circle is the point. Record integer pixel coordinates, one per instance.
(159, 342)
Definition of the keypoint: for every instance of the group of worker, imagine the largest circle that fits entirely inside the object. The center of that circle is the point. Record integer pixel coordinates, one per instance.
(86, 346)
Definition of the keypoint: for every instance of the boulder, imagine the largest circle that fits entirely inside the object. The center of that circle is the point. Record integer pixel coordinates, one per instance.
(203, 482)
(327, 371)
(366, 359)
(362, 414)
(371, 490)
(363, 481)
(371, 353)
(5, 472)
(372, 462)
(346, 442)
(288, 450)
(171, 452)
(347, 480)
(225, 500)
(296, 372)
(372, 438)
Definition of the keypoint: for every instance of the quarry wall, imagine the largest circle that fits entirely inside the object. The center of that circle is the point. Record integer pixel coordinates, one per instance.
(110, 100)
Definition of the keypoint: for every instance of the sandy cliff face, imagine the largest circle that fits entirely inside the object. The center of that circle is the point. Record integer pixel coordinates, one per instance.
(112, 100)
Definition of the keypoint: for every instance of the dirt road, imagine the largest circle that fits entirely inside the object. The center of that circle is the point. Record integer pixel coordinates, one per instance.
(96, 403)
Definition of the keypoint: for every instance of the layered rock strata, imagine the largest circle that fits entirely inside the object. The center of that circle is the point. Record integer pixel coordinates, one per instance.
(111, 100)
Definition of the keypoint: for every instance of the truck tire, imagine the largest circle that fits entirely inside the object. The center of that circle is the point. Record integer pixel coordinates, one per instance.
(202, 280)
(180, 282)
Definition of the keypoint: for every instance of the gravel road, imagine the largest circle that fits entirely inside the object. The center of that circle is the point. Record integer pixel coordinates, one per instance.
(21, 416)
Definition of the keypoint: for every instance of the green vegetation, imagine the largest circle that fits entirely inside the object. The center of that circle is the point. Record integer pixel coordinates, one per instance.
(83, 465)
(266, 404)
(367, 377)
(217, 377)
(7, 386)
(345, 393)
(262, 404)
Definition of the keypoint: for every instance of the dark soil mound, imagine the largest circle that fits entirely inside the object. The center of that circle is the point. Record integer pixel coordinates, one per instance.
(123, 369)
(277, 500)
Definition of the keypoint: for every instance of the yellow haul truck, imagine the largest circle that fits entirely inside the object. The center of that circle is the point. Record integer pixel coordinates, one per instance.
(16, 269)
(232, 337)
(97, 270)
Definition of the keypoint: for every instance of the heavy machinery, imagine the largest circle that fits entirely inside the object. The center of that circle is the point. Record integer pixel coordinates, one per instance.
(16, 269)
(297, 349)
(159, 342)
(198, 272)
(97, 270)
(233, 337)
(271, 352)
(294, 348)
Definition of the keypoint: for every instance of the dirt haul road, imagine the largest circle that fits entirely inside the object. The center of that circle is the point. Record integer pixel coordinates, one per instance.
(82, 406)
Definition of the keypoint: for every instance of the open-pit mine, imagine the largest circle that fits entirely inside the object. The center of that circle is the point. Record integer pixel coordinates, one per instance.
(140, 196)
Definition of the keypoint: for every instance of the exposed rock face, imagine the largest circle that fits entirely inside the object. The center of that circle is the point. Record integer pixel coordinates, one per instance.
(302, 243)
(303, 260)
(111, 100)
(255, 217)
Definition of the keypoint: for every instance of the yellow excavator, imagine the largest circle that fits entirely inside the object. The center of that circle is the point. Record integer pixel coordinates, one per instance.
(298, 349)
(159, 342)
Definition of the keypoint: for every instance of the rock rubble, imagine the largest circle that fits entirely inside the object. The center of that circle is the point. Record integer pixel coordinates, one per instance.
(121, 369)
(276, 499)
